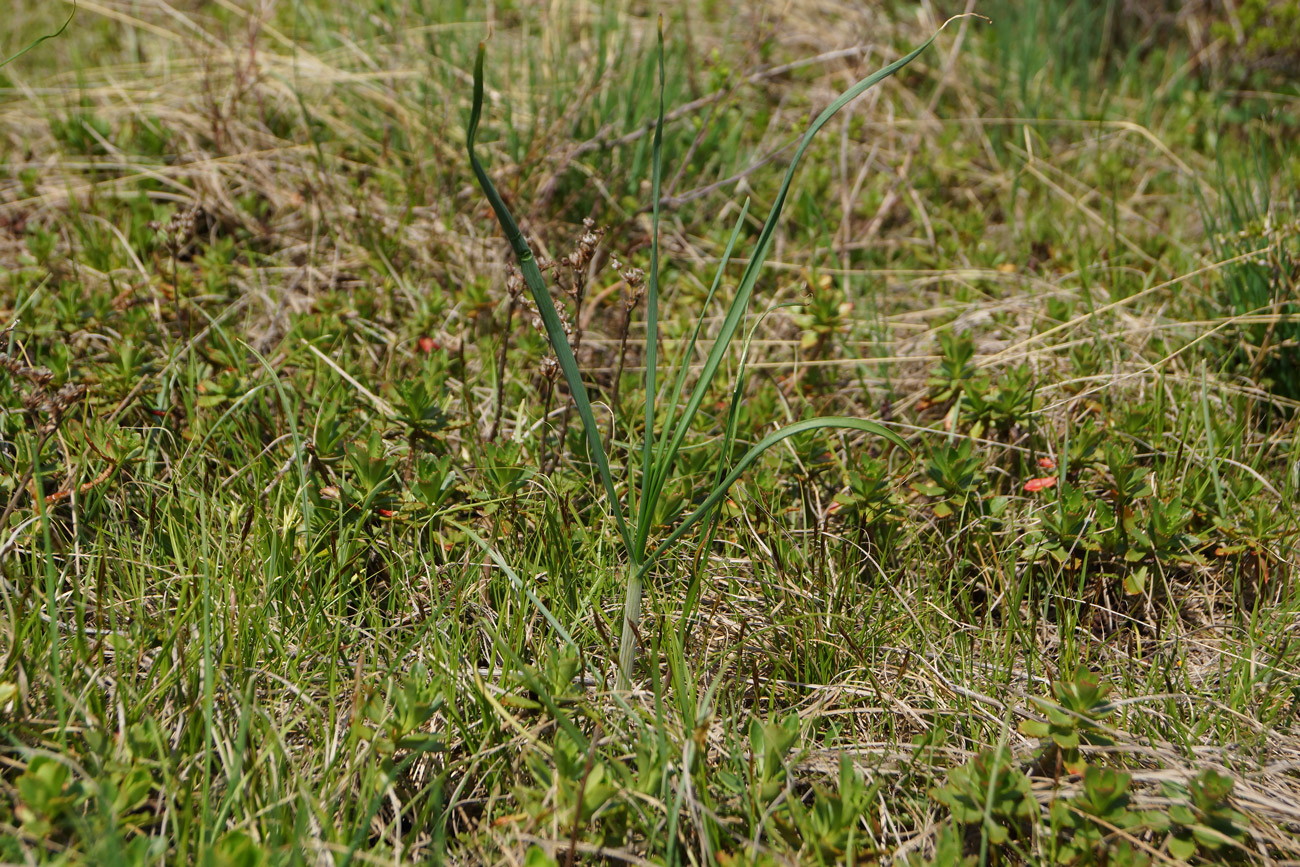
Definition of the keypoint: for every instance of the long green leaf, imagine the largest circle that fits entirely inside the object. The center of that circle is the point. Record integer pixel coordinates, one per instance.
(537, 286)
(516, 581)
(684, 360)
(728, 440)
(754, 454)
(645, 507)
(11, 58)
(679, 383)
(740, 303)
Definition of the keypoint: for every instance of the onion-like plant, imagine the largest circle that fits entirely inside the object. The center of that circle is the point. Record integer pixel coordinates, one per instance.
(659, 453)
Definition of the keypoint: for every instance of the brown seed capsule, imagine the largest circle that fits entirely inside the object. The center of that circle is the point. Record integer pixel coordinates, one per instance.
(550, 368)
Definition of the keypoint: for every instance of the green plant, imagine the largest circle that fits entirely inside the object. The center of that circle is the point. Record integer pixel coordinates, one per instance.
(824, 313)
(420, 410)
(1201, 818)
(1072, 720)
(1068, 528)
(1002, 405)
(874, 503)
(948, 849)
(1258, 239)
(434, 482)
(504, 469)
(1269, 28)
(371, 477)
(659, 453)
(1085, 823)
(769, 744)
(1128, 484)
(829, 829)
(954, 374)
(990, 792)
(1166, 534)
(48, 795)
(555, 678)
(393, 720)
(575, 783)
(956, 475)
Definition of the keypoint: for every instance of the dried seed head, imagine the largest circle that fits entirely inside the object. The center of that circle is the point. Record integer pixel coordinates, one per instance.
(635, 280)
(180, 228)
(563, 313)
(68, 396)
(587, 243)
(37, 376)
(550, 368)
(515, 284)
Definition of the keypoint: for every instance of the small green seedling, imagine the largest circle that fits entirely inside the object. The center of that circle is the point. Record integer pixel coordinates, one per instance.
(990, 792)
(1072, 720)
(829, 829)
(1202, 819)
(1087, 824)
(948, 849)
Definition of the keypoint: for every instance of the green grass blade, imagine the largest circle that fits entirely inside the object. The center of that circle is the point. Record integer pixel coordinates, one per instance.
(515, 580)
(728, 440)
(754, 454)
(11, 58)
(645, 507)
(551, 319)
(298, 447)
(684, 366)
(738, 390)
(745, 289)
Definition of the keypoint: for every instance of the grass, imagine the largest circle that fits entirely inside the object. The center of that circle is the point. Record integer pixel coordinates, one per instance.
(659, 462)
(304, 559)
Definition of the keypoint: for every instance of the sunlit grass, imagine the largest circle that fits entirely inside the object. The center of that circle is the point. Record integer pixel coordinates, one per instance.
(322, 566)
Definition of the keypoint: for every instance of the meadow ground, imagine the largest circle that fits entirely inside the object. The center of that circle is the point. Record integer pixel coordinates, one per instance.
(304, 557)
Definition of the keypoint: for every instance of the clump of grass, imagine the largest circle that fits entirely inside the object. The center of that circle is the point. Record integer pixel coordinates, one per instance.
(671, 420)
(1260, 237)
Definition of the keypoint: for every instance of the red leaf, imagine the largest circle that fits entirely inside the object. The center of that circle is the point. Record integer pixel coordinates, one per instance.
(427, 344)
(1035, 485)
(1047, 463)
